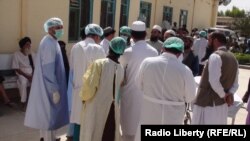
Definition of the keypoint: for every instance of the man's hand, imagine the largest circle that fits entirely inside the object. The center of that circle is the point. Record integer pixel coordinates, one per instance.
(29, 77)
(229, 99)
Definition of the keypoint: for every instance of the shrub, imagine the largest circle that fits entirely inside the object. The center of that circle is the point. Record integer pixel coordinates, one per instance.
(242, 58)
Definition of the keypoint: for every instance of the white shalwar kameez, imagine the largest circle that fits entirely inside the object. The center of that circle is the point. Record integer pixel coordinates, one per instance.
(167, 85)
(21, 61)
(100, 90)
(215, 114)
(82, 55)
(199, 48)
(130, 94)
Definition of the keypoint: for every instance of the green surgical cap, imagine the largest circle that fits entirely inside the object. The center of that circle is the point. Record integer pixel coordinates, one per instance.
(174, 42)
(203, 34)
(93, 29)
(125, 30)
(51, 23)
(118, 45)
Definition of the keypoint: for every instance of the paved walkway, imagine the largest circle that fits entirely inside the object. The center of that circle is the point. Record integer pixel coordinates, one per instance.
(12, 128)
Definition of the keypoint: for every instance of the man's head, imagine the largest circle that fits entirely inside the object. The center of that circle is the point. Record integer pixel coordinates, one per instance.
(138, 31)
(188, 42)
(109, 33)
(94, 31)
(174, 45)
(25, 45)
(155, 33)
(203, 34)
(125, 33)
(117, 46)
(175, 24)
(216, 40)
(169, 33)
(54, 26)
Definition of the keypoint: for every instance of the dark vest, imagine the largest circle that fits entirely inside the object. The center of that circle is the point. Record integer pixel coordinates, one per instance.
(206, 96)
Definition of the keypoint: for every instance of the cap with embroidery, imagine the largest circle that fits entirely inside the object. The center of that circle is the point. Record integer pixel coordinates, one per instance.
(157, 27)
(138, 26)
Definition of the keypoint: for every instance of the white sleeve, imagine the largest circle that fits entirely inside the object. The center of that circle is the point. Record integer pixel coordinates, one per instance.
(190, 85)
(15, 64)
(139, 76)
(214, 71)
(235, 86)
(123, 60)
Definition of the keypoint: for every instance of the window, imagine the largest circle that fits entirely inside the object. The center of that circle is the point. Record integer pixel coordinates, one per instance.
(80, 15)
(107, 13)
(145, 12)
(167, 14)
(124, 12)
(183, 17)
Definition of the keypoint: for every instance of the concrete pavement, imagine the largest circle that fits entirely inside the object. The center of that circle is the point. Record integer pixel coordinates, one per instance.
(12, 128)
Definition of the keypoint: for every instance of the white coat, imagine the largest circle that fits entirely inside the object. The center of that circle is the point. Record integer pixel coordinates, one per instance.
(130, 94)
(49, 78)
(98, 96)
(82, 55)
(167, 85)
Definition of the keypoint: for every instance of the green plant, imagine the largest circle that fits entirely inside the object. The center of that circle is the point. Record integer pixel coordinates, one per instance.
(242, 58)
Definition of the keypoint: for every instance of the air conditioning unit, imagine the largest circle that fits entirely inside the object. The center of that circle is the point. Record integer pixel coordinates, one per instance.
(224, 2)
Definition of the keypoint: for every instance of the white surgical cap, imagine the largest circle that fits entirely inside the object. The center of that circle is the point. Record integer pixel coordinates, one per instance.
(52, 22)
(93, 29)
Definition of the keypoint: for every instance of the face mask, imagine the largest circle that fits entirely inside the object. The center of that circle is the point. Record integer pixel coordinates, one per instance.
(124, 37)
(58, 33)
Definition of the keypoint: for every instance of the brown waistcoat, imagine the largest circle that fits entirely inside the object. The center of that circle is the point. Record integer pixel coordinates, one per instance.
(206, 96)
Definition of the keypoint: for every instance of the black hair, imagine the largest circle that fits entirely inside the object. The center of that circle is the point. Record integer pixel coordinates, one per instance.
(109, 33)
(82, 33)
(23, 41)
(220, 37)
(138, 35)
(173, 50)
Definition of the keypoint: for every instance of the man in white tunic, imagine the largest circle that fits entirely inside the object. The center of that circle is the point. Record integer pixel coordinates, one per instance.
(130, 95)
(167, 84)
(82, 55)
(47, 108)
(109, 34)
(23, 63)
(100, 93)
(199, 48)
(219, 81)
(155, 37)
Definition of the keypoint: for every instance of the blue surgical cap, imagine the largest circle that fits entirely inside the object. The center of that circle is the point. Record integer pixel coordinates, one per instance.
(174, 42)
(118, 45)
(203, 34)
(52, 22)
(93, 29)
(125, 30)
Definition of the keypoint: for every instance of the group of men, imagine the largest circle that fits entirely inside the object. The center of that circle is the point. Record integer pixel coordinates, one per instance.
(113, 85)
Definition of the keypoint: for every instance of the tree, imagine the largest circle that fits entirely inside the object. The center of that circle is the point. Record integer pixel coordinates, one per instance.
(221, 13)
(243, 25)
(235, 13)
